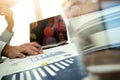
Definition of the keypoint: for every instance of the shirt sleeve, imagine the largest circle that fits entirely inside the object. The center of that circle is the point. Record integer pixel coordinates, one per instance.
(6, 36)
(2, 45)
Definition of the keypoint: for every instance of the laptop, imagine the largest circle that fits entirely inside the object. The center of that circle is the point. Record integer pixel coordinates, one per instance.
(49, 32)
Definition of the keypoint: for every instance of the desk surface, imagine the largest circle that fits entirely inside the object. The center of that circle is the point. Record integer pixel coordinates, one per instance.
(60, 63)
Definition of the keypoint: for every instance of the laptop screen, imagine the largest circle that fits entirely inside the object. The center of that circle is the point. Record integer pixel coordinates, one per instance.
(49, 31)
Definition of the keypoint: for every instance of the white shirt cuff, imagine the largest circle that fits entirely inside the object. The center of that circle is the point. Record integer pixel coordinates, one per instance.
(6, 36)
(2, 45)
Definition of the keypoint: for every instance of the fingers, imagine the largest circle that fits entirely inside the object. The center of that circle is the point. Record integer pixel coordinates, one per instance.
(37, 46)
(1, 13)
(20, 55)
(31, 48)
(16, 55)
(5, 11)
(21, 51)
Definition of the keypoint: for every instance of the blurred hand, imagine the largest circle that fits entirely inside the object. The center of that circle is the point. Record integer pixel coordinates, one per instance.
(4, 11)
(22, 51)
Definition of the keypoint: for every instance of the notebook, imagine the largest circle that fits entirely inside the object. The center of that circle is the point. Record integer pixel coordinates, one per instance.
(49, 32)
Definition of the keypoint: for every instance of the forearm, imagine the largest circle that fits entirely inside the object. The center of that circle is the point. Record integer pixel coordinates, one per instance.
(10, 28)
(10, 24)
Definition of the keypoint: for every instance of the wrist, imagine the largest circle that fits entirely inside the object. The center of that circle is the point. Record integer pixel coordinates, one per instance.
(10, 28)
(5, 50)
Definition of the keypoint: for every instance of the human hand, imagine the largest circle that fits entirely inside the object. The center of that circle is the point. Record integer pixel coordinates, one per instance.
(22, 51)
(4, 11)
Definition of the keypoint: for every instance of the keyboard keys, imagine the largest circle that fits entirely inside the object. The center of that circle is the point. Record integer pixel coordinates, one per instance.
(43, 56)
